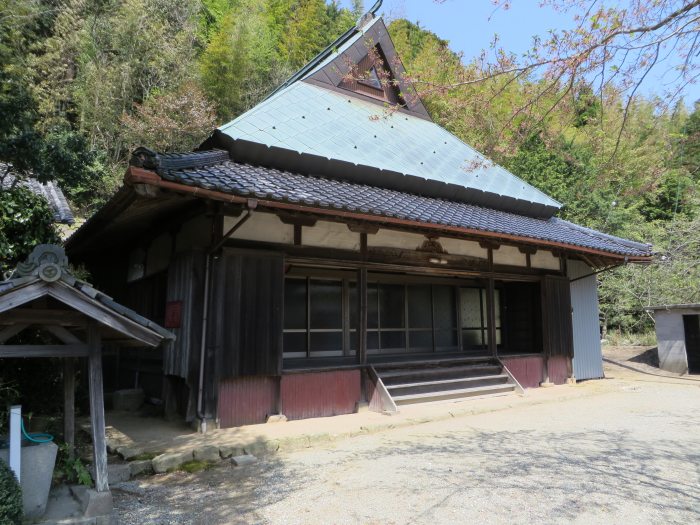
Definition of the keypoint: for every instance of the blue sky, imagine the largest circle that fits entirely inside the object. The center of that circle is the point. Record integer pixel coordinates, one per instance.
(469, 25)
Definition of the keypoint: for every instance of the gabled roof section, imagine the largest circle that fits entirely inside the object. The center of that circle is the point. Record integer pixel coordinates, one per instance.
(351, 59)
(50, 191)
(45, 273)
(320, 122)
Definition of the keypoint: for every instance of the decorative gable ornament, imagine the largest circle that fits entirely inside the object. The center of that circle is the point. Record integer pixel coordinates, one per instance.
(47, 262)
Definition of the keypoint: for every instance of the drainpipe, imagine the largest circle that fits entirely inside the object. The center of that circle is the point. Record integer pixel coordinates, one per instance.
(251, 204)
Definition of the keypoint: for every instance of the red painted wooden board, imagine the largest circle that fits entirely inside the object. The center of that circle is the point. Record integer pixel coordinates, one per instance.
(527, 370)
(247, 400)
(319, 394)
(558, 369)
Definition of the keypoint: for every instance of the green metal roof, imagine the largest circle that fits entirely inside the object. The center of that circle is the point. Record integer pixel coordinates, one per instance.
(337, 125)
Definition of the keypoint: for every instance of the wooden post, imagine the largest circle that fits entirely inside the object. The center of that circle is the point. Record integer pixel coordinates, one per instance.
(69, 404)
(362, 315)
(362, 328)
(97, 409)
(491, 311)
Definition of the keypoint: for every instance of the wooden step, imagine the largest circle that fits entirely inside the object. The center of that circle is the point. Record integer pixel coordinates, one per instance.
(446, 384)
(436, 363)
(453, 394)
(417, 375)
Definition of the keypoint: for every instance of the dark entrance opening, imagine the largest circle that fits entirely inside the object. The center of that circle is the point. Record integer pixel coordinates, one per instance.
(523, 318)
(691, 326)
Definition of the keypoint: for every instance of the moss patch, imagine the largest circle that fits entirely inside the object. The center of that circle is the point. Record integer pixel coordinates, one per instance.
(195, 466)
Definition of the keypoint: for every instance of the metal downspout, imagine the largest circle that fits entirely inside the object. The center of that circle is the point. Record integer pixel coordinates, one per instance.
(205, 312)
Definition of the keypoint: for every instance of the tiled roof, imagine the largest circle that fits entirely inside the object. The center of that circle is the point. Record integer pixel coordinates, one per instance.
(49, 191)
(276, 185)
(31, 271)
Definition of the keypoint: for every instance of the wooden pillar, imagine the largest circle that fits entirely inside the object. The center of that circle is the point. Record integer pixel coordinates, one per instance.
(97, 409)
(491, 311)
(362, 328)
(69, 404)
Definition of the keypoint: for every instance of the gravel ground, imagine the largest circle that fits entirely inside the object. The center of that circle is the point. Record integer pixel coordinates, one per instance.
(626, 451)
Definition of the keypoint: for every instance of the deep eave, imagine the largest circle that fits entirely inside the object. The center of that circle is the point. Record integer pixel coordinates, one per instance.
(140, 176)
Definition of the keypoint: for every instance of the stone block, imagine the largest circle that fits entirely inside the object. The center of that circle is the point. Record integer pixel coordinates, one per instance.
(170, 461)
(226, 451)
(143, 466)
(245, 459)
(93, 503)
(128, 451)
(129, 400)
(277, 418)
(206, 453)
(36, 471)
(116, 473)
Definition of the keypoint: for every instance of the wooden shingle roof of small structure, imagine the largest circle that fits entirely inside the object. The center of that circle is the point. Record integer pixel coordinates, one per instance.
(45, 273)
(50, 191)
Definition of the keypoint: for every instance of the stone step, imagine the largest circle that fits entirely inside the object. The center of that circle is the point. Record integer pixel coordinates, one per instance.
(446, 384)
(396, 376)
(453, 394)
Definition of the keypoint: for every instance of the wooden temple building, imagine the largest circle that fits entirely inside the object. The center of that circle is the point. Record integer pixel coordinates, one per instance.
(334, 246)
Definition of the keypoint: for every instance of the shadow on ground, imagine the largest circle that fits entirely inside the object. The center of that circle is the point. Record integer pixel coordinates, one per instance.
(560, 474)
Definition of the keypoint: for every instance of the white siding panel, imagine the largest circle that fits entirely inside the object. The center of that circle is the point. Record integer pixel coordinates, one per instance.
(265, 227)
(395, 239)
(544, 259)
(509, 256)
(462, 247)
(588, 357)
(330, 235)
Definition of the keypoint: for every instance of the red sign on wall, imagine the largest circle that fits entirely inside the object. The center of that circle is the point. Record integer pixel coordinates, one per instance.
(173, 314)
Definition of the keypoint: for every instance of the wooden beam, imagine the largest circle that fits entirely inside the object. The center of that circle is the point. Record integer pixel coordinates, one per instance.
(297, 219)
(11, 331)
(43, 350)
(104, 315)
(489, 245)
(530, 250)
(491, 310)
(69, 405)
(362, 327)
(297, 235)
(49, 316)
(19, 296)
(61, 333)
(362, 227)
(97, 408)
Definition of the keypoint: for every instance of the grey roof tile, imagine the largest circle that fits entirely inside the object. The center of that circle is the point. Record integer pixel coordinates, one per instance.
(50, 191)
(245, 180)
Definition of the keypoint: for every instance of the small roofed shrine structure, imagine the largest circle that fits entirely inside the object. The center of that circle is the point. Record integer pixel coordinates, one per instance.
(76, 320)
(334, 246)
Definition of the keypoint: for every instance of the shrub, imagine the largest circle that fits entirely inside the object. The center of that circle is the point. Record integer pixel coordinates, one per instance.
(10, 496)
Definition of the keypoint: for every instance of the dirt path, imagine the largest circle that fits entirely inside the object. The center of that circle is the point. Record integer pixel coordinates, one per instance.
(629, 454)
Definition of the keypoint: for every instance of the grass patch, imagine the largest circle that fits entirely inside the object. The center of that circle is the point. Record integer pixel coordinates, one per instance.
(195, 466)
(618, 338)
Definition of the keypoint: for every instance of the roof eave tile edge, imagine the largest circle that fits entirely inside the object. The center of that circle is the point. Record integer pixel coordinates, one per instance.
(142, 176)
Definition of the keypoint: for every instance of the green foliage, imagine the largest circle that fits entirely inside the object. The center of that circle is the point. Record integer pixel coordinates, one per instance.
(69, 469)
(25, 221)
(10, 497)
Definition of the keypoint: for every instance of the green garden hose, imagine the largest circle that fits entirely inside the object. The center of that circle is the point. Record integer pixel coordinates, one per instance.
(36, 437)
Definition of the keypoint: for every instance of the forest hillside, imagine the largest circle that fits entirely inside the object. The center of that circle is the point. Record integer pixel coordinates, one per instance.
(82, 82)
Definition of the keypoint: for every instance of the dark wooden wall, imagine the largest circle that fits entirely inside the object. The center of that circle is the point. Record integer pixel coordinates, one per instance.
(244, 336)
(522, 318)
(181, 357)
(558, 335)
